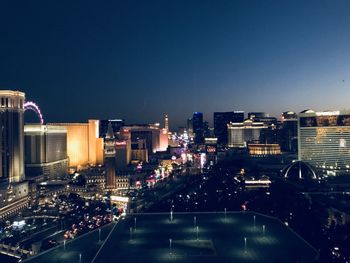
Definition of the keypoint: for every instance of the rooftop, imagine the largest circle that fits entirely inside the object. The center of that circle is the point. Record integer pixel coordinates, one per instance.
(230, 237)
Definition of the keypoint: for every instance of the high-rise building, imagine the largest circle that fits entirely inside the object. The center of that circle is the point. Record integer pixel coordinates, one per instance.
(11, 136)
(239, 134)
(110, 162)
(123, 152)
(45, 151)
(238, 116)
(324, 140)
(198, 128)
(84, 145)
(289, 132)
(13, 188)
(156, 139)
(221, 119)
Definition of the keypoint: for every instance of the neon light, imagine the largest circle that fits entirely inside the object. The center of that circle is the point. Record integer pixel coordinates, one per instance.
(29, 105)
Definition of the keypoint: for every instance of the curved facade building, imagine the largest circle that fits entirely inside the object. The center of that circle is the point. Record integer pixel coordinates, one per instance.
(324, 140)
(239, 134)
(11, 136)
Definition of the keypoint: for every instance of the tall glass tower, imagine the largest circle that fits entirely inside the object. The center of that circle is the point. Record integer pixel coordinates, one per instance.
(324, 140)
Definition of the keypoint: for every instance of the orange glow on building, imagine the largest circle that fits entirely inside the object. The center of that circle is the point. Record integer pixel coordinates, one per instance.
(258, 149)
(83, 144)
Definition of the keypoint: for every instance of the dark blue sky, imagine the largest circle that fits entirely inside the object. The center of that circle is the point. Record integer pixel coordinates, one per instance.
(139, 59)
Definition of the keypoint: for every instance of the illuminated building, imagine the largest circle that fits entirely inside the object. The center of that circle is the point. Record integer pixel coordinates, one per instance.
(45, 150)
(95, 180)
(211, 150)
(163, 140)
(123, 150)
(110, 163)
(221, 119)
(95, 143)
(257, 183)
(14, 198)
(122, 182)
(197, 122)
(13, 188)
(324, 140)
(84, 146)
(261, 150)
(239, 134)
(11, 136)
(156, 139)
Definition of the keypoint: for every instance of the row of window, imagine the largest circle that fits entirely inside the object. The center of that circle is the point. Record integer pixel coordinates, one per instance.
(8, 102)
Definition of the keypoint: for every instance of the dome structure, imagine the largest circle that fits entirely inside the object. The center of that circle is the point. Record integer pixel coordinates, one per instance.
(308, 111)
(299, 171)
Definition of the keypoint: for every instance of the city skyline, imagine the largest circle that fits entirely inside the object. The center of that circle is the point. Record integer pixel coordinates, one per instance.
(138, 61)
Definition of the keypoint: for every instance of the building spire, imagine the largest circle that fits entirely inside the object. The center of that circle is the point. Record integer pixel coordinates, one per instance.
(166, 122)
(110, 133)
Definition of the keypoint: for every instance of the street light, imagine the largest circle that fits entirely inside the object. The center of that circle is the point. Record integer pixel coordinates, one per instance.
(80, 258)
(135, 223)
(263, 229)
(99, 235)
(170, 241)
(64, 244)
(197, 232)
(194, 222)
(245, 244)
(254, 221)
(171, 215)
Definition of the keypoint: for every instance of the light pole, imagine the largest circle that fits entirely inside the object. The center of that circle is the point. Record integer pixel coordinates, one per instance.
(130, 233)
(245, 244)
(254, 221)
(171, 215)
(194, 222)
(99, 235)
(170, 242)
(197, 232)
(225, 213)
(64, 244)
(263, 229)
(80, 258)
(135, 223)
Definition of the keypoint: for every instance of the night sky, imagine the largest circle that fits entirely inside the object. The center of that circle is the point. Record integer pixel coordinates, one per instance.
(139, 59)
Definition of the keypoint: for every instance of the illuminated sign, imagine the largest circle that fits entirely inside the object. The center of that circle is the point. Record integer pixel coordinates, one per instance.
(210, 149)
(327, 113)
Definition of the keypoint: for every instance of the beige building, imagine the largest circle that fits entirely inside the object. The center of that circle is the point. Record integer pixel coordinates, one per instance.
(83, 143)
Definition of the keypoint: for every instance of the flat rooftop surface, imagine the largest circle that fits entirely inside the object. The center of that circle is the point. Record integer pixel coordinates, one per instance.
(233, 237)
